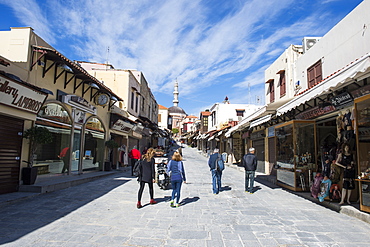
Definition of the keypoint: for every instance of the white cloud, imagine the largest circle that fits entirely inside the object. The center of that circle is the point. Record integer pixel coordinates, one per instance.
(29, 13)
(196, 43)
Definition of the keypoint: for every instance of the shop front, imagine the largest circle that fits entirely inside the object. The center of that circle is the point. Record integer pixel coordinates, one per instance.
(258, 142)
(362, 107)
(78, 138)
(16, 115)
(295, 154)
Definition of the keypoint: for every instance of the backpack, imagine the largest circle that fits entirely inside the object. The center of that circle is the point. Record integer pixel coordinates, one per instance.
(137, 168)
(219, 164)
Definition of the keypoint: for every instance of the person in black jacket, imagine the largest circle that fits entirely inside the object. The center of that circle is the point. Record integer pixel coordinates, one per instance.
(249, 162)
(147, 175)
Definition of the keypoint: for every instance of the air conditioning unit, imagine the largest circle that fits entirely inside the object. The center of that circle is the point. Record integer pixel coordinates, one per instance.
(308, 42)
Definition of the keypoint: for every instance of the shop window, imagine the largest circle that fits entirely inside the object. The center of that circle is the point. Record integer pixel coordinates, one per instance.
(57, 120)
(314, 74)
(93, 153)
(295, 158)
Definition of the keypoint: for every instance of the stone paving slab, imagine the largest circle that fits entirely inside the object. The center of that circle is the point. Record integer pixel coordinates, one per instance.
(103, 213)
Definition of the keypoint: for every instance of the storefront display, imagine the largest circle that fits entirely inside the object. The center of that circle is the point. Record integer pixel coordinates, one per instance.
(295, 154)
(363, 152)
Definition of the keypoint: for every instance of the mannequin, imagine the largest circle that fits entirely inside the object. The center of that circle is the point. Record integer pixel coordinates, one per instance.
(345, 160)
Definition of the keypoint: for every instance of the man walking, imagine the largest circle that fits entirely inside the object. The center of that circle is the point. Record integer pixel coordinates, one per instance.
(216, 174)
(249, 162)
(134, 155)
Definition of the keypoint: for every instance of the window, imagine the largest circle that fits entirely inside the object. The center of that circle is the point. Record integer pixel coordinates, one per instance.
(282, 83)
(142, 104)
(205, 121)
(240, 112)
(272, 91)
(132, 100)
(159, 118)
(314, 74)
(137, 102)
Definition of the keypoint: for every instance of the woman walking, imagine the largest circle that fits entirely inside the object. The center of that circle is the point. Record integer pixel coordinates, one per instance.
(176, 170)
(146, 176)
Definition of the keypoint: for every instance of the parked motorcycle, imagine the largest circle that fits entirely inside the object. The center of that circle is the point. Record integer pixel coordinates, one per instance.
(163, 180)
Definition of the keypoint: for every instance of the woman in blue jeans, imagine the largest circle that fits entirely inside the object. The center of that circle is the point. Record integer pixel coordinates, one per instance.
(175, 169)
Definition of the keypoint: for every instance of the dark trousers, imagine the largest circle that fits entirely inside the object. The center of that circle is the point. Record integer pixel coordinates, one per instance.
(141, 189)
(249, 180)
(133, 161)
(65, 164)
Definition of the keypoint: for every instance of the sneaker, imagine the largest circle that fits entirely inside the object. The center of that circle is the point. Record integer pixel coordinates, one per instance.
(177, 205)
(251, 192)
(138, 205)
(152, 201)
(171, 204)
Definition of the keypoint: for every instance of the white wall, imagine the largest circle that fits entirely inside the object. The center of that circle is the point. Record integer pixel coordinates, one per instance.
(226, 112)
(344, 43)
(286, 61)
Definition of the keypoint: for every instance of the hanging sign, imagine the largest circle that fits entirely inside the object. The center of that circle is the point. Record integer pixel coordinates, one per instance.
(342, 100)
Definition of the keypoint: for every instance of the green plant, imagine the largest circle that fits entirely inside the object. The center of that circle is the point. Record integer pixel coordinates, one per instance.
(111, 144)
(37, 136)
(175, 130)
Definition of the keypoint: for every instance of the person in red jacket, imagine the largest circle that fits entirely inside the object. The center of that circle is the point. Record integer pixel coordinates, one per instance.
(65, 156)
(134, 155)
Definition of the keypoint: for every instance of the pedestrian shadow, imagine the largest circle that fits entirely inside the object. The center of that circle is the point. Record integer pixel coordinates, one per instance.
(188, 200)
(256, 188)
(164, 199)
(225, 188)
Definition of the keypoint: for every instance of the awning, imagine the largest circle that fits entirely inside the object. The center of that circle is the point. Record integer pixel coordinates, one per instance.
(348, 73)
(260, 121)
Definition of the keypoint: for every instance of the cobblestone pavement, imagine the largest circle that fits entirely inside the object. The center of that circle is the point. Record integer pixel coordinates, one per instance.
(104, 213)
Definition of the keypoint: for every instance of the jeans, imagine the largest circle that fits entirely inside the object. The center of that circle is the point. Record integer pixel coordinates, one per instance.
(176, 188)
(216, 181)
(249, 177)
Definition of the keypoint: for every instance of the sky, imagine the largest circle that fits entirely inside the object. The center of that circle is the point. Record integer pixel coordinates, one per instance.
(213, 48)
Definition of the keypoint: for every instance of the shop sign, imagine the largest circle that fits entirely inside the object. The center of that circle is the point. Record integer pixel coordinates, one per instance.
(342, 100)
(19, 96)
(361, 91)
(271, 131)
(257, 135)
(315, 112)
(121, 125)
(137, 135)
(79, 102)
(245, 135)
(54, 112)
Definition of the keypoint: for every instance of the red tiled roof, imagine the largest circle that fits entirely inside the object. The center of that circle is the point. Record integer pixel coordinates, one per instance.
(205, 113)
(162, 107)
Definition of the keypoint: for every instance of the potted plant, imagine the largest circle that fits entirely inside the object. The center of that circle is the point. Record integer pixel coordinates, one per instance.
(111, 144)
(36, 136)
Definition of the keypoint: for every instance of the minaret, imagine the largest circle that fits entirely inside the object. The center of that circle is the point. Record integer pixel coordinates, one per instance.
(176, 94)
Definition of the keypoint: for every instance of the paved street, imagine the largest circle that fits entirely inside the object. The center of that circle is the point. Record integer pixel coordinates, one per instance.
(104, 213)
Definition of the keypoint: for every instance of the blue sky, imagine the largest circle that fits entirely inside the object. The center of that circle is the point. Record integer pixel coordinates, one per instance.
(214, 48)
